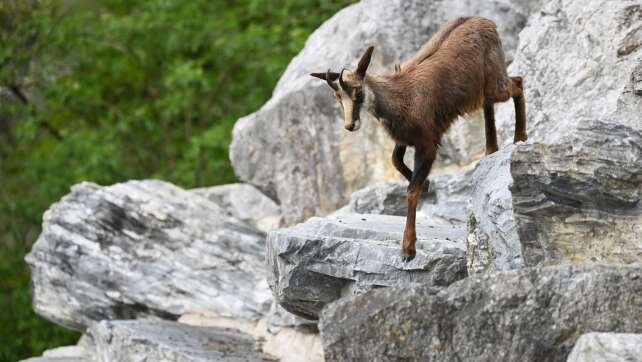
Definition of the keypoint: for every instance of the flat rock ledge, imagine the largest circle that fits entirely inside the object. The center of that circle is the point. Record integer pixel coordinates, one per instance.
(607, 347)
(317, 262)
(532, 314)
(132, 341)
(147, 340)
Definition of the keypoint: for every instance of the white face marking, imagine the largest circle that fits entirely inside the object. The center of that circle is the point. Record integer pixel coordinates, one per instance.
(347, 104)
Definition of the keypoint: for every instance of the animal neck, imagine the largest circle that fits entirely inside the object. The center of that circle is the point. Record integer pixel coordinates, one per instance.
(384, 100)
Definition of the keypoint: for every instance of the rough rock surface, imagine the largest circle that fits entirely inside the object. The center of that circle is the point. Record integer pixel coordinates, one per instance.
(144, 248)
(289, 344)
(581, 61)
(493, 242)
(442, 203)
(536, 203)
(317, 262)
(574, 192)
(246, 203)
(133, 341)
(295, 148)
(607, 347)
(532, 314)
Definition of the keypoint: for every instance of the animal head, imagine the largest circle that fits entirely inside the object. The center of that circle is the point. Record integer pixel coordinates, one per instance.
(349, 89)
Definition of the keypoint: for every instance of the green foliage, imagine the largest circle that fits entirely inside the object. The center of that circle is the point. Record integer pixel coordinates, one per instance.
(111, 90)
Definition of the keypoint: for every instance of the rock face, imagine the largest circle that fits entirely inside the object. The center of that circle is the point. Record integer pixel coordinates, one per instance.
(133, 341)
(607, 347)
(536, 203)
(493, 242)
(295, 148)
(574, 192)
(317, 262)
(246, 203)
(533, 314)
(144, 248)
(581, 62)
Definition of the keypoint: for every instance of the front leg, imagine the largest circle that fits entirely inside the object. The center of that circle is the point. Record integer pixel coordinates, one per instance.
(423, 162)
(397, 160)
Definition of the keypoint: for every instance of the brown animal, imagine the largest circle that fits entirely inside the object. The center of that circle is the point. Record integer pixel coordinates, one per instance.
(459, 70)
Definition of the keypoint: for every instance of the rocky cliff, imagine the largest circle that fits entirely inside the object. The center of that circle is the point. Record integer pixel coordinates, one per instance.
(531, 254)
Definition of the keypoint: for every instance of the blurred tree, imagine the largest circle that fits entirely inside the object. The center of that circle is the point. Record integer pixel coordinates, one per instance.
(111, 90)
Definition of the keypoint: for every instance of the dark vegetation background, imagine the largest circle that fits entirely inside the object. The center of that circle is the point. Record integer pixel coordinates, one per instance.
(111, 90)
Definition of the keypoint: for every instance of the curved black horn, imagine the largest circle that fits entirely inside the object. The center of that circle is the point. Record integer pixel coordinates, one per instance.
(330, 78)
(343, 84)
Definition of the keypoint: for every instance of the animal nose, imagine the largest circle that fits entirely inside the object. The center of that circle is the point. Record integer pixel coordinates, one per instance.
(350, 127)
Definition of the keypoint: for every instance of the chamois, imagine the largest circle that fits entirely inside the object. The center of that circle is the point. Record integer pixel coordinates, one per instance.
(459, 70)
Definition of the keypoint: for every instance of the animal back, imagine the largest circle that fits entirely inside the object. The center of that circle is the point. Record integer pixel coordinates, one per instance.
(431, 47)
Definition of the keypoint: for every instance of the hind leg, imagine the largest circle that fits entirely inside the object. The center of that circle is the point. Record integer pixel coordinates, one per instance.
(517, 93)
(491, 132)
(397, 161)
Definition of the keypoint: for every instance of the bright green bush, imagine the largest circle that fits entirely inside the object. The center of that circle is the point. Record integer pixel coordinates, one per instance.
(111, 90)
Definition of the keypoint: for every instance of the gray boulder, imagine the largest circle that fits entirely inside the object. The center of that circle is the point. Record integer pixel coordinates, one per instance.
(574, 192)
(607, 347)
(246, 203)
(537, 203)
(144, 249)
(493, 242)
(295, 149)
(533, 314)
(133, 341)
(317, 262)
(581, 61)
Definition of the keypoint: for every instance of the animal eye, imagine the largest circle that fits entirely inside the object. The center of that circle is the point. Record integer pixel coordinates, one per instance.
(358, 94)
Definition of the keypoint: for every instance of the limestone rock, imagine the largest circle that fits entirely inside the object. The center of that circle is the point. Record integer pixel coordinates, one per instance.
(133, 341)
(317, 262)
(144, 249)
(493, 241)
(301, 343)
(246, 203)
(532, 314)
(295, 149)
(575, 72)
(607, 347)
(573, 193)
(537, 203)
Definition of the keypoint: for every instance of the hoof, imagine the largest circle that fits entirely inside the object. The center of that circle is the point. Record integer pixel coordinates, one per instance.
(407, 256)
(490, 150)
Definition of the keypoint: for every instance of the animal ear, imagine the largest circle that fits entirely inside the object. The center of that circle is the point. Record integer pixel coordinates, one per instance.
(364, 62)
(329, 77)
